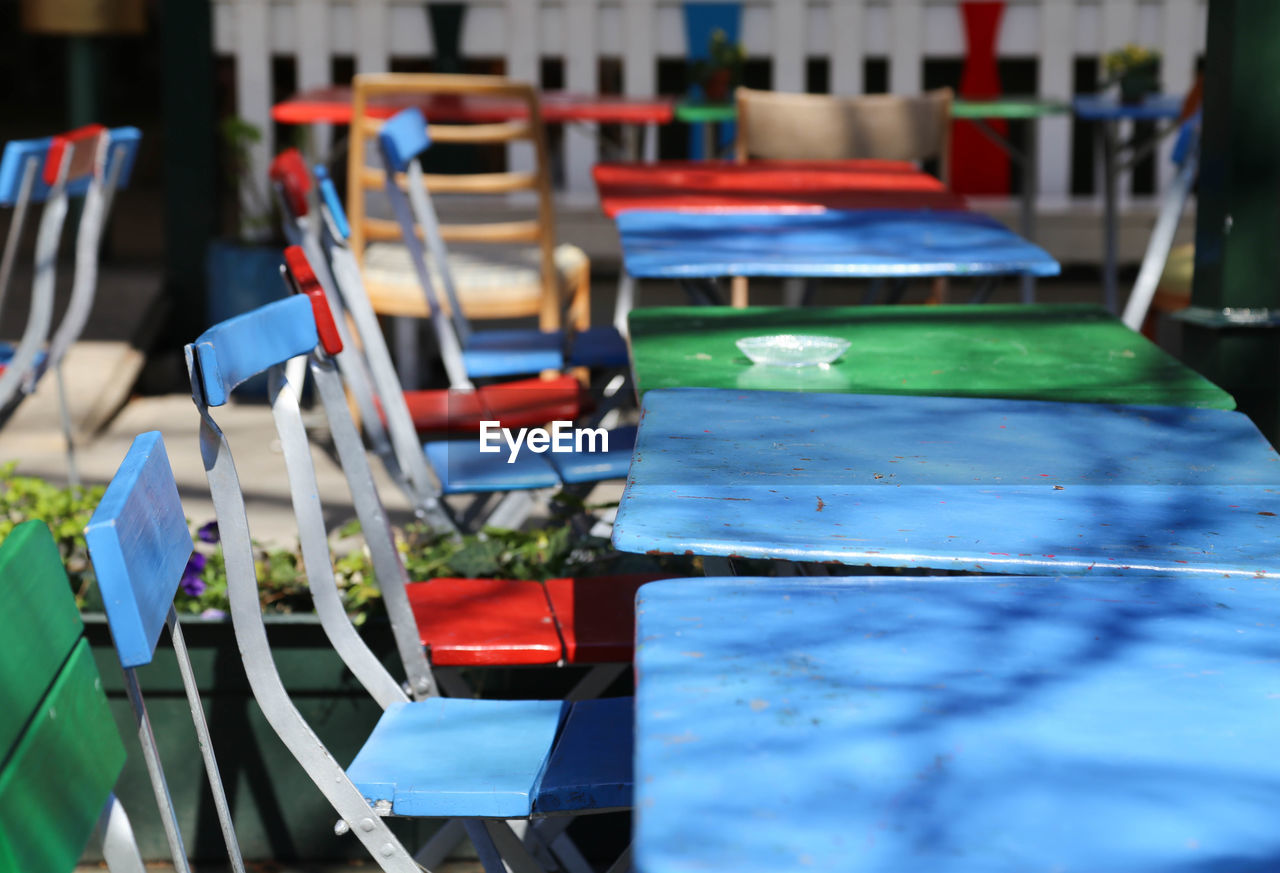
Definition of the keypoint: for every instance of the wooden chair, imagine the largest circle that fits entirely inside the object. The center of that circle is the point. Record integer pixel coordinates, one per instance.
(87, 163)
(502, 269)
(482, 761)
(778, 126)
(60, 753)
(139, 544)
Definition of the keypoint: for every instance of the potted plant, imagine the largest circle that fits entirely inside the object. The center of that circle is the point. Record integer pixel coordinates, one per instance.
(1136, 69)
(243, 266)
(721, 71)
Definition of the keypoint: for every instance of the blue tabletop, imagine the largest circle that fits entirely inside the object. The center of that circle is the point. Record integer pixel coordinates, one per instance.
(957, 725)
(1107, 107)
(951, 482)
(871, 242)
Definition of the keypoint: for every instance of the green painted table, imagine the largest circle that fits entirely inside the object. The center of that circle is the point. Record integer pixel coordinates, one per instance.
(1076, 352)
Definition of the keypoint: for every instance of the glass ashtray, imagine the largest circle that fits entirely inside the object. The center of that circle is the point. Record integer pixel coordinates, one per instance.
(793, 350)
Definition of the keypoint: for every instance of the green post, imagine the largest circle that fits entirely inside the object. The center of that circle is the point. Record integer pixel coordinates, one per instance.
(82, 80)
(1231, 328)
(191, 203)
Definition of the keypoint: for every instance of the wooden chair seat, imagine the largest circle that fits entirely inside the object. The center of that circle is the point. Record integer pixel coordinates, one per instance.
(596, 616)
(496, 758)
(485, 622)
(497, 283)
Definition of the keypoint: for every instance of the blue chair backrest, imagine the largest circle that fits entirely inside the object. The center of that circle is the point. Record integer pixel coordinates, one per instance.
(403, 137)
(329, 197)
(18, 152)
(139, 541)
(234, 350)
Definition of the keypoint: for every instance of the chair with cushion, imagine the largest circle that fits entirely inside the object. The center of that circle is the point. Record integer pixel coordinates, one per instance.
(773, 125)
(504, 268)
(485, 762)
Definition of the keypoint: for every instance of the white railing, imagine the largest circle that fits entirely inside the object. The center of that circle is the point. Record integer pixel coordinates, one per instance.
(639, 32)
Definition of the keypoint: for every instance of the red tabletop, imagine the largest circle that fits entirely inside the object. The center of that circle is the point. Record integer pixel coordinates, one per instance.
(333, 105)
(783, 186)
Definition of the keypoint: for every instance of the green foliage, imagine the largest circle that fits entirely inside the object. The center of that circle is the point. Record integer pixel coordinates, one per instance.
(65, 510)
(254, 209)
(1128, 59)
(721, 71)
(539, 554)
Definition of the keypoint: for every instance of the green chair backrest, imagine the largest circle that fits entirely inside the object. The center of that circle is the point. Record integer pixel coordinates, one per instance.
(60, 752)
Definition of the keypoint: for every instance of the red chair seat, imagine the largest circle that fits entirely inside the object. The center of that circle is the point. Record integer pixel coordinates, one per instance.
(597, 615)
(524, 403)
(485, 622)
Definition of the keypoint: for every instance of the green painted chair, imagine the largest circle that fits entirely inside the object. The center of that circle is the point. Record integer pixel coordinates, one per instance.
(60, 753)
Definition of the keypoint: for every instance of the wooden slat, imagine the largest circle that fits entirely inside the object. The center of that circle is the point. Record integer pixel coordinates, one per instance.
(500, 232)
(39, 627)
(471, 183)
(55, 783)
(476, 134)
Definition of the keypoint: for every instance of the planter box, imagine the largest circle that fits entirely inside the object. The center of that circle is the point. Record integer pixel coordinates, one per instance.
(279, 814)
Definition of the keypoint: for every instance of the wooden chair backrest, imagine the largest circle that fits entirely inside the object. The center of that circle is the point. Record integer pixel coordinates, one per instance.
(378, 96)
(60, 753)
(777, 126)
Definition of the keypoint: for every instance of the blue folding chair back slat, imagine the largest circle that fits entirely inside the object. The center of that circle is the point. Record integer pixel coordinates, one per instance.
(17, 153)
(403, 138)
(239, 348)
(140, 544)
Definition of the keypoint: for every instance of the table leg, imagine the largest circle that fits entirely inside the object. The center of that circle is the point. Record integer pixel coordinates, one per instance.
(406, 344)
(982, 293)
(701, 292)
(651, 143)
(1030, 182)
(1106, 132)
(632, 141)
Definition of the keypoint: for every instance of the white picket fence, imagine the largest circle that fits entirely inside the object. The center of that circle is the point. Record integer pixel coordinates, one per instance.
(639, 32)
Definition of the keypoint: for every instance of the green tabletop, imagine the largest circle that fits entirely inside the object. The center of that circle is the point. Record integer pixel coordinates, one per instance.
(1009, 107)
(1075, 352)
(700, 112)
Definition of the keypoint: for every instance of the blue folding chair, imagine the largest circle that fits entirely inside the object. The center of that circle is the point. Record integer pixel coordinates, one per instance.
(458, 465)
(90, 162)
(402, 141)
(139, 544)
(483, 761)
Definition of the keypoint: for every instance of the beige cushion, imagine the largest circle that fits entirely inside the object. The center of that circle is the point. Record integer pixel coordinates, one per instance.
(782, 126)
(491, 283)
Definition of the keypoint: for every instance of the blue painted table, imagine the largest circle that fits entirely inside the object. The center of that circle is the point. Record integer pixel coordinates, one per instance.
(952, 482)
(957, 725)
(832, 243)
(1108, 112)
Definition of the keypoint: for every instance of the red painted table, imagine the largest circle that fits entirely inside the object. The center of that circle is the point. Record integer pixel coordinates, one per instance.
(332, 105)
(769, 186)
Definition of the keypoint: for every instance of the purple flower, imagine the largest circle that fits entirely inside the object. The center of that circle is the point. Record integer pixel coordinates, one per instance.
(208, 532)
(213, 613)
(191, 583)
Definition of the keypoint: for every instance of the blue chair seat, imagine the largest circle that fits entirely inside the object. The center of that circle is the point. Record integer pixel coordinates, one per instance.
(599, 347)
(459, 757)
(463, 469)
(493, 353)
(598, 466)
(592, 763)
(497, 758)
